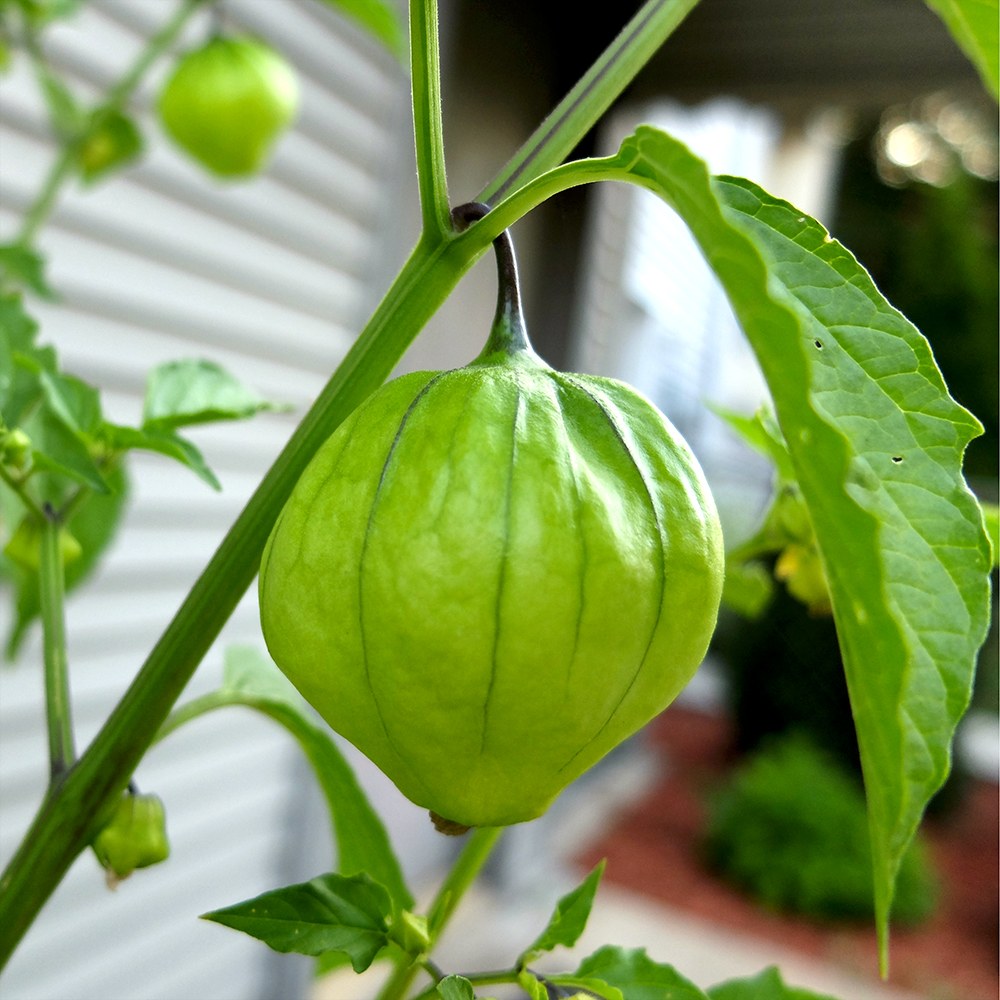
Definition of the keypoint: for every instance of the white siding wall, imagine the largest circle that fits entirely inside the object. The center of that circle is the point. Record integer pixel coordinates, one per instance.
(272, 279)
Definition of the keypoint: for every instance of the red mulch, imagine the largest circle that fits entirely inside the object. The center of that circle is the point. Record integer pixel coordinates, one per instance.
(654, 851)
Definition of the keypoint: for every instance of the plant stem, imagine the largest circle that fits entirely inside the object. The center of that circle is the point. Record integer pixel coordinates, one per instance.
(477, 979)
(57, 703)
(580, 109)
(463, 873)
(428, 130)
(60, 171)
(120, 92)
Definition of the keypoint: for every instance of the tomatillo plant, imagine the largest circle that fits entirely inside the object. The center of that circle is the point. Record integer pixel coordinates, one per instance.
(551, 531)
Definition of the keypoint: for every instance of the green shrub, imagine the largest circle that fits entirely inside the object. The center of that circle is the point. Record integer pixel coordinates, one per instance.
(790, 829)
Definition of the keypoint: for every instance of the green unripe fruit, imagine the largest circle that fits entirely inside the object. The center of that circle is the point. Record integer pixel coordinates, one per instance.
(136, 836)
(489, 577)
(227, 102)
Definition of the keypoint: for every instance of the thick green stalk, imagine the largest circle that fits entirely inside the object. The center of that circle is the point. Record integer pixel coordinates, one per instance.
(428, 130)
(61, 170)
(578, 112)
(57, 704)
(463, 873)
(477, 979)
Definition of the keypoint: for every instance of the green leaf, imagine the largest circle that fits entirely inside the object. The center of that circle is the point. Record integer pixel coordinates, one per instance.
(20, 361)
(597, 986)
(112, 142)
(456, 988)
(179, 393)
(637, 976)
(876, 445)
(766, 985)
(65, 114)
(328, 913)
(75, 403)
(57, 448)
(379, 18)
(22, 266)
(973, 25)
(252, 680)
(569, 919)
(93, 525)
(165, 442)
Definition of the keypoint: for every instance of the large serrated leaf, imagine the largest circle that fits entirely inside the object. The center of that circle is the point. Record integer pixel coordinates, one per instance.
(973, 25)
(328, 913)
(876, 445)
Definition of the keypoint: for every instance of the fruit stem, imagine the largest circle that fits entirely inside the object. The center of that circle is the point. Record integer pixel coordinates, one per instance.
(509, 334)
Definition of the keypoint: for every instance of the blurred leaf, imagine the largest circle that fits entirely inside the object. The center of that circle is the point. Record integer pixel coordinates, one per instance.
(379, 18)
(637, 976)
(973, 25)
(597, 986)
(456, 988)
(252, 680)
(93, 526)
(22, 266)
(57, 448)
(747, 589)
(569, 919)
(196, 392)
(75, 403)
(328, 913)
(66, 116)
(766, 985)
(165, 442)
(112, 142)
(763, 434)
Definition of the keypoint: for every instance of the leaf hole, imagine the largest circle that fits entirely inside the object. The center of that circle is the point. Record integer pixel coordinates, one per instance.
(897, 459)
(819, 344)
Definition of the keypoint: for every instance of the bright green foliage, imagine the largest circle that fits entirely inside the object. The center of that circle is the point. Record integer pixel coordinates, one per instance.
(487, 578)
(253, 681)
(569, 919)
(112, 141)
(974, 25)
(455, 988)
(636, 975)
(135, 837)
(227, 102)
(21, 266)
(766, 985)
(328, 913)
(876, 444)
(380, 18)
(790, 829)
